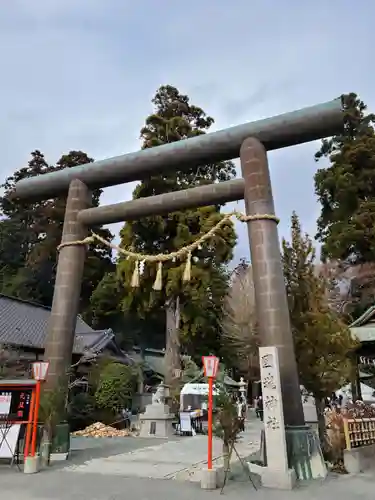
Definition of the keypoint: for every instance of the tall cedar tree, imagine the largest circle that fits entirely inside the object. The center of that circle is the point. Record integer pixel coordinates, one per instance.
(130, 328)
(28, 253)
(192, 310)
(346, 189)
(323, 343)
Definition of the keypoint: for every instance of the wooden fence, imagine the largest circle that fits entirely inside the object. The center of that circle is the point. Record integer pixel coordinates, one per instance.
(359, 432)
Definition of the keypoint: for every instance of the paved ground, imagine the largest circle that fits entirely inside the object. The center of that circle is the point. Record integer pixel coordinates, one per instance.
(113, 469)
(63, 485)
(180, 459)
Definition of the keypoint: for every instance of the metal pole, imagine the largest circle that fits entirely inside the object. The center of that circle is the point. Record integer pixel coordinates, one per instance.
(29, 425)
(36, 416)
(270, 294)
(211, 194)
(281, 131)
(63, 319)
(210, 407)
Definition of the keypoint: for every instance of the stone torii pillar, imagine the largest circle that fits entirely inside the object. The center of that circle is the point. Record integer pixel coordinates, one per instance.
(270, 294)
(71, 260)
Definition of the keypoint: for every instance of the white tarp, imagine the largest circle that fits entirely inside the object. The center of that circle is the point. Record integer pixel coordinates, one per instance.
(196, 389)
(366, 390)
(8, 440)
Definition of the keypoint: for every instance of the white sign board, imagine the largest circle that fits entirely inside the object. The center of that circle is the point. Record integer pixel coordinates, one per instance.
(185, 422)
(273, 409)
(5, 403)
(8, 440)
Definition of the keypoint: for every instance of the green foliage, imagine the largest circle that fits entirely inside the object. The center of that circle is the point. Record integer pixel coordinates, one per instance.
(200, 300)
(226, 425)
(130, 328)
(323, 343)
(32, 231)
(52, 406)
(190, 371)
(116, 386)
(82, 411)
(346, 189)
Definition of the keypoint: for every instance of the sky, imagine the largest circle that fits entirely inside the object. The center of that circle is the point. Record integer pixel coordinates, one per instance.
(81, 75)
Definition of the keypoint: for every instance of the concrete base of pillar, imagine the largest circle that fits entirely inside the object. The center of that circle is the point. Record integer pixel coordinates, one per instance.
(279, 480)
(272, 478)
(59, 457)
(31, 465)
(209, 479)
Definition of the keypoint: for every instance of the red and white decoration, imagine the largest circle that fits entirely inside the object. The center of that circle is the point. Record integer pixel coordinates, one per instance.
(40, 370)
(210, 366)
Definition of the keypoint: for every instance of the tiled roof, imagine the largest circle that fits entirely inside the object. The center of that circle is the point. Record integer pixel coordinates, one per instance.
(363, 328)
(25, 324)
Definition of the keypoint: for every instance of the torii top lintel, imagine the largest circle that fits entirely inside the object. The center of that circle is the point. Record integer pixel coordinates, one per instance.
(297, 127)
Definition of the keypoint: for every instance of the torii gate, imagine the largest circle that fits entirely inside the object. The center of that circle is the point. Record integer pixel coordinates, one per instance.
(250, 142)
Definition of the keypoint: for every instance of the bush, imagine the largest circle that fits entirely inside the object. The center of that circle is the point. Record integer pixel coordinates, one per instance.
(81, 411)
(116, 387)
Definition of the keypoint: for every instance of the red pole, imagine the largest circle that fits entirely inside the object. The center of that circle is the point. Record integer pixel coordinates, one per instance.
(35, 423)
(29, 425)
(210, 404)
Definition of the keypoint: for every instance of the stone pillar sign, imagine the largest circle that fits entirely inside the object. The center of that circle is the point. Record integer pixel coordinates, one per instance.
(272, 408)
(276, 474)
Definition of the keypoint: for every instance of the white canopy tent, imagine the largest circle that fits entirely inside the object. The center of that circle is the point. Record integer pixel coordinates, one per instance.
(194, 395)
(366, 391)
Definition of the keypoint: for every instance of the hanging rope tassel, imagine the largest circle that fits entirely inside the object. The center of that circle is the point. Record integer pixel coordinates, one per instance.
(135, 277)
(187, 271)
(158, 284)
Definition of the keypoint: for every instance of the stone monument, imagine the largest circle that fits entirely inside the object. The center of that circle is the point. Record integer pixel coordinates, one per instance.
(276, 473)
(242, 390)
(157, 420)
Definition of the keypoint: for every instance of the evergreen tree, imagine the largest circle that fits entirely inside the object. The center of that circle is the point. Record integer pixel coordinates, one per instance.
(28, 254)
(130, 328)
(346, 189)
(192, 310)
(323, 343)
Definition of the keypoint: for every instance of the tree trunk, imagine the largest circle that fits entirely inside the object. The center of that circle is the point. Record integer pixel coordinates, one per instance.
(226, 457)
(320, 404)
(45, 446)
(140, 373)
(172, 359)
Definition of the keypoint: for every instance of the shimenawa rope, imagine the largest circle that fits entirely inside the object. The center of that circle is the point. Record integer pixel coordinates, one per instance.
(181, 254)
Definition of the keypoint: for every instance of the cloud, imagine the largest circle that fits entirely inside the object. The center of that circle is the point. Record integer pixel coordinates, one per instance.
(81, 75)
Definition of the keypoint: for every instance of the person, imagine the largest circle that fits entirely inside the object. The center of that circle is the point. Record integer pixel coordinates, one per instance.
(126, 415)
(261, 408)
(340, 401)
(256, 404)
(240, 415)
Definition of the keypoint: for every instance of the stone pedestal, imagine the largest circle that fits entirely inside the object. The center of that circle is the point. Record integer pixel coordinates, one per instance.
(209, 479)
(31, 465)
(157, 420)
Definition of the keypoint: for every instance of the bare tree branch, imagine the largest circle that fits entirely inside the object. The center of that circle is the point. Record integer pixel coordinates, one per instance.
(239, 324)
